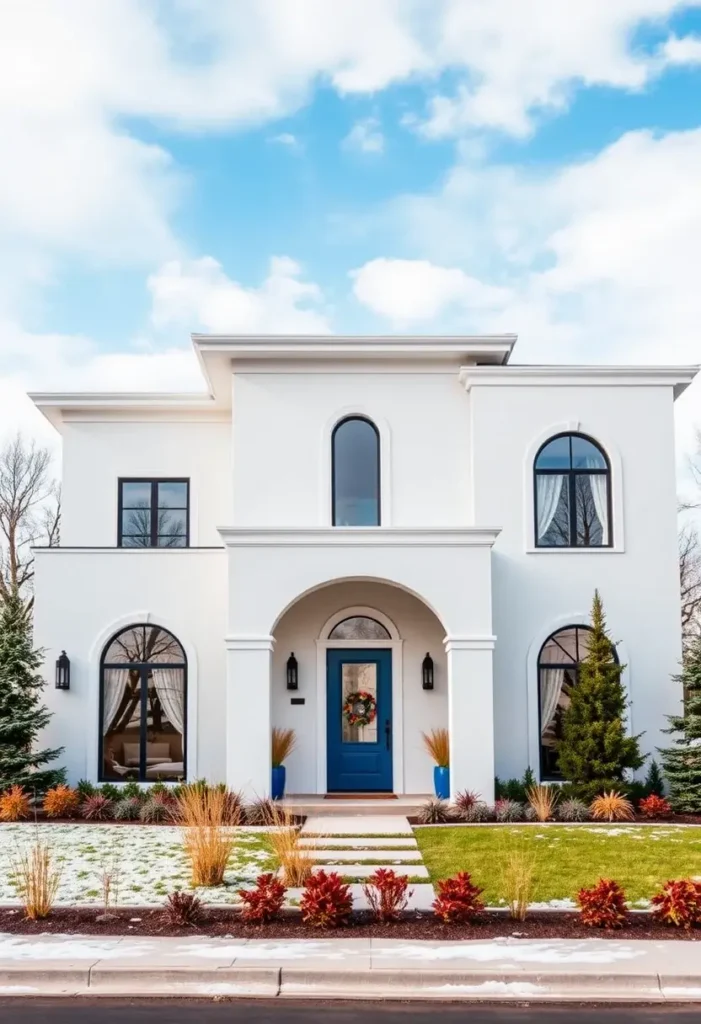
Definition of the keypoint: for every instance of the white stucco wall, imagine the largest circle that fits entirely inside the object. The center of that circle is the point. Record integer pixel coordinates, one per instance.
(84, 597)
(537, 592)
(421, 710)
(96, 454)
(282, 458)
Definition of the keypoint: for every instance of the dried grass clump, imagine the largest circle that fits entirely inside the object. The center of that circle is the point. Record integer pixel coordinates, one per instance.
(437, 744)
(208, 841)
(296, 862)
(543, 800)
(612, 806)
(518, 882)
(283, 743)
(36, 879)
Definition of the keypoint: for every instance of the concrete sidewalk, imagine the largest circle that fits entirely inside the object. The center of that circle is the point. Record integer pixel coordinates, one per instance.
(500, 969)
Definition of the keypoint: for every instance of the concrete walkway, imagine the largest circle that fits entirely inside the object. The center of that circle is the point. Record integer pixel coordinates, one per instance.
(501, 969)
(354, 846)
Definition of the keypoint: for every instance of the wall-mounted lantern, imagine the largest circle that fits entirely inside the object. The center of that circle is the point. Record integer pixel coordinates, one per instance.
(63, 672)
(292, 674)
(427, 672)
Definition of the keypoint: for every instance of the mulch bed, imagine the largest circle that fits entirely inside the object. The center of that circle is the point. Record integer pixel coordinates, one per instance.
(218, 922)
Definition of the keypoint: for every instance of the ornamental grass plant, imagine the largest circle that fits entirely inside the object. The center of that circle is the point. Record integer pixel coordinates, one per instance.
(518, 881)
(284, 742)
(14, 804)
(208, 841)
(612, 806)
(296, 862)
(437, 744)
(543, 800)
(36, 878)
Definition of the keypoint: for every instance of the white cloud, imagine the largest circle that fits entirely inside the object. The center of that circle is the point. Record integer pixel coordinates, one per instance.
(365, 137)
(684, 50)
(286, 139)
(408, 291)
(199, 293)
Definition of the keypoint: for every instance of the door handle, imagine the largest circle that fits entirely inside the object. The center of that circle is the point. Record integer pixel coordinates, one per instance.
(388, 734)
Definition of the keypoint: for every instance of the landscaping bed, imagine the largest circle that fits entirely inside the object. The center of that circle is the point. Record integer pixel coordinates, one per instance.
(218, 922)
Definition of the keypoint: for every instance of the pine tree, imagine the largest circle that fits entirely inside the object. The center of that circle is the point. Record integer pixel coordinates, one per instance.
(681, 762)
(22, 716)
(595, 751)
(654, 783)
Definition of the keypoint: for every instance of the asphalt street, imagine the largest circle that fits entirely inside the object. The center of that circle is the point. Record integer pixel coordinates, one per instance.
(164, 1012)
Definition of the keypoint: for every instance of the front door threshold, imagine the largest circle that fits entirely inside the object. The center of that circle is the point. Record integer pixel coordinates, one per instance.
(361, 795)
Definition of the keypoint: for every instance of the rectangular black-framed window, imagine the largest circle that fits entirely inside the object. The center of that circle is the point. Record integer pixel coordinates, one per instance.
(154, 513)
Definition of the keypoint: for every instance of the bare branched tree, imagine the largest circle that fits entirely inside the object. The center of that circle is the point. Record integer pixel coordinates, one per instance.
(30, 512)
(690, 581)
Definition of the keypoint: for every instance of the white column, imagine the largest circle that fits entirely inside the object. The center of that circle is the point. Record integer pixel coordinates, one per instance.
(471, 715)
(248, 716)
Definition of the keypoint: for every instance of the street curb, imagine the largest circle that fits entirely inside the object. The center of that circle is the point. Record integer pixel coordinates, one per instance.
(135, 981)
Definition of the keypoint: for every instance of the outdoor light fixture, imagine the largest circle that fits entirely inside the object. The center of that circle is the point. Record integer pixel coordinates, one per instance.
(427, 672)
(63, 672)
(292, 677)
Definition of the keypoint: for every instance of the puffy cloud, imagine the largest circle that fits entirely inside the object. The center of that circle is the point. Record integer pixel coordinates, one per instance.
(409, 291)
(365, 137)
(198, 292)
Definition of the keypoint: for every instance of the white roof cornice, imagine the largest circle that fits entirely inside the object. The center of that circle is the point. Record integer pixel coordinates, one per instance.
(676, 377)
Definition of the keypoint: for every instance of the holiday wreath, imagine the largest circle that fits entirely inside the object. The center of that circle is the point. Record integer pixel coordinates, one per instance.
(360, 708)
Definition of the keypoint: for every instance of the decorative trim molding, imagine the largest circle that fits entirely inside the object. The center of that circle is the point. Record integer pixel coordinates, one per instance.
(677, 377)
(469, 643)
(358, 536)
(249, 643)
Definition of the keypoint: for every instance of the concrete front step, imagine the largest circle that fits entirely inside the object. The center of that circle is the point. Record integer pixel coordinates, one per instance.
(382, 857)
(361, 842)
(319, 806)
(365, 870)
(357, 825)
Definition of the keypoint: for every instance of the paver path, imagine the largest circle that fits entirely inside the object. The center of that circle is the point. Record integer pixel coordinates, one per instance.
(355, 846)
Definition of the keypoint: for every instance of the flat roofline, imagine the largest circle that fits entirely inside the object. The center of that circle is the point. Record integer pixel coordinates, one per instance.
(548, 375)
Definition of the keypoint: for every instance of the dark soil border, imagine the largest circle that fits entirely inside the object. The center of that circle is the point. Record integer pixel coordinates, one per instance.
(219, 922)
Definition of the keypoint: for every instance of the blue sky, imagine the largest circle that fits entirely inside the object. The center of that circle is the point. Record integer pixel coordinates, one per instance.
(355, 166)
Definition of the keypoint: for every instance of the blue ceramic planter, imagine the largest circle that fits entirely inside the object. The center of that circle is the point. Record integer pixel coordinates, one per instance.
(278, 784)
(441, 782)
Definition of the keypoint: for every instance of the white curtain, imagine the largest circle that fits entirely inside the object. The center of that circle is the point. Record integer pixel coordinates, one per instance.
(599, 492)
(171, 693)
(115, 684)
(551, 680)
(548, 491)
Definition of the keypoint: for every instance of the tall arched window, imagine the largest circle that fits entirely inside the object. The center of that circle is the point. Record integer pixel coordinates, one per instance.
(558, 674)
(572, 491)
(355, 458)
(143, 706)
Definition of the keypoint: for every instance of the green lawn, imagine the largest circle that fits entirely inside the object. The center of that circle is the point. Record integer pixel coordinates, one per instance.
(567, 857)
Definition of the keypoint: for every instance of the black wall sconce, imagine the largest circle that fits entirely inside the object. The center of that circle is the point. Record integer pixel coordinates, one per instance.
(292, 674)
(427, 672)
(63, 672)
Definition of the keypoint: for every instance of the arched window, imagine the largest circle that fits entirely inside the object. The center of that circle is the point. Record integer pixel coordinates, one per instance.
(558, 674)
(572, 494)
(359, 627)
(143, 706)
(355, 458)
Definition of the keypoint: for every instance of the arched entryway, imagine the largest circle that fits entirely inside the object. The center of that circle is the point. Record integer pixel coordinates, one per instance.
(355, 636)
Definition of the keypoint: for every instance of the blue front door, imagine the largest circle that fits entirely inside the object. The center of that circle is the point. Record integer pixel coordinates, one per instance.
(359, 757)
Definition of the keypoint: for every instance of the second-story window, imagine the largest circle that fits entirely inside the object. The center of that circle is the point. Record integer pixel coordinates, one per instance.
(572, 494)
(355, 457)
(154, 513)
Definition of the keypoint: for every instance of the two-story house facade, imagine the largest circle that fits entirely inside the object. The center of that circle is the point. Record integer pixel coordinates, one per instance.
(417, 520)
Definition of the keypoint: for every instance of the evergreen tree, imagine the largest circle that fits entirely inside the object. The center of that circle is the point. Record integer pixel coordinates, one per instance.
(654, 783)
(22, 716)
(595, 751)
(681, 762)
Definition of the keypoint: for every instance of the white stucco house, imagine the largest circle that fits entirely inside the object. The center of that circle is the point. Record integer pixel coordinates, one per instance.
(416, 518)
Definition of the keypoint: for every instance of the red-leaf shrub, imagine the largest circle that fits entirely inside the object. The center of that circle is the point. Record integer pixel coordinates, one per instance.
(654, 807)
(264, 903)
(678, 903)
(97, 808)
(387, 893)
(183, 909)
(604, 905)
(326, 901)
(458, 899)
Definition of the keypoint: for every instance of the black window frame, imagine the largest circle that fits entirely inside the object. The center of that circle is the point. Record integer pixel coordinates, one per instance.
(571, 475)
(568, 666)
(378, 447)
(143, 667)
(154, 483)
